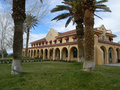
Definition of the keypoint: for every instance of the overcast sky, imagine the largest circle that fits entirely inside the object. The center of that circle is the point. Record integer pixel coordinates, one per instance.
(110, 20)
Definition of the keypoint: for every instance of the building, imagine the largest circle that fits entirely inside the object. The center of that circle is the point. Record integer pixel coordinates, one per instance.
(63, 46)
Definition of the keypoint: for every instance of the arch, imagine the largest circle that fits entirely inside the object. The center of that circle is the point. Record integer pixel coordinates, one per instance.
(110, 55)
(41, 54)
(31, 53)
(57, 54)
(28, 53)
(46, 54)
(34, 53)
(38, 52)
(64, 53)
(73, 53)
(104, 53)
(118, 54)
(51, 53)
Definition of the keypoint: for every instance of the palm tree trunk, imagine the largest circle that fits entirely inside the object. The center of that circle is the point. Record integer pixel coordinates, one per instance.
(89, 37)
(27, 41)
(19, 17)
(80, 40)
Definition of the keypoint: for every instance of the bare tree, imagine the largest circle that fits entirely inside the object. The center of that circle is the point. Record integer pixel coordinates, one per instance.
(35, 15)
(6, 32)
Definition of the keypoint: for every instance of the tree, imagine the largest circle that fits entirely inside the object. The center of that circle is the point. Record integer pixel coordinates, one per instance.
(6, 32)
(74, 13)
(30, 22)
(90, 7)
(4, 53)
(79, 11)
(18, 17)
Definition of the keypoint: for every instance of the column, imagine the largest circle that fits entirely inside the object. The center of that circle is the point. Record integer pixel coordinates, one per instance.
(53, 54)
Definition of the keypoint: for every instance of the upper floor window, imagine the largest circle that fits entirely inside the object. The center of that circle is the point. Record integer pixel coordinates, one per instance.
(46, 43)
(74, 38)
(39, 44)
(42, 43)
(103, 37)
(110, 38)
(50, 41)
(55, 41)
(60, 40)
(67, 39)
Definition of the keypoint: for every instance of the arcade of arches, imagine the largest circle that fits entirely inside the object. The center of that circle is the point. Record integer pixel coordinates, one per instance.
(63, 46)
(64, 53)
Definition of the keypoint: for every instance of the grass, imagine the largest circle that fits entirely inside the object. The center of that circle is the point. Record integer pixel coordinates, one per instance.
(59, 76)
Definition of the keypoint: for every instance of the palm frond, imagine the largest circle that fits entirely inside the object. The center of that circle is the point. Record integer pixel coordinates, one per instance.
(101, 1)
(60, 8)
(68, 0)
(41, 1)
(103, 7)
(68, 3)
(68, 21)
(98, 16)
(61, 16)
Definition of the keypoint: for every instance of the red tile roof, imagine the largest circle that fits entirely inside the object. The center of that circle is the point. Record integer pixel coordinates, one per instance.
(67, 33)
(108, 42)
(72, 32)
(43, 39)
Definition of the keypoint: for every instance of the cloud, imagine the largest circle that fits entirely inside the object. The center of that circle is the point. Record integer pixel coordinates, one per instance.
(33, 37)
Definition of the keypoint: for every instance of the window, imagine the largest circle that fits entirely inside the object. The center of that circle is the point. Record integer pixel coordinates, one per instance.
(66, 53)
(55, 42)
(60, 41)
(74, 53)
(67, 40)
(50, 53)
(110, 53)
(74, 39)
(103, 37)
(110, 38)
(45, 52)
(50, 43)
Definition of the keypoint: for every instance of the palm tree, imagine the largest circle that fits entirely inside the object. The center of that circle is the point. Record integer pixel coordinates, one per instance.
(30, 22)
(74, 13)
(19, 17)
(78, 12)
(90, 7)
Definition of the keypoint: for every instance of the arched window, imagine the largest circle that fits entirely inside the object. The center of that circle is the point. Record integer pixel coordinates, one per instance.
(66, 51)
(110, 53)
(103, 37)
(74, 52)
(45, 52)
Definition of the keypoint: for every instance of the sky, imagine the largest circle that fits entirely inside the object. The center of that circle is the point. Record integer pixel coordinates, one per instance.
(111, 21)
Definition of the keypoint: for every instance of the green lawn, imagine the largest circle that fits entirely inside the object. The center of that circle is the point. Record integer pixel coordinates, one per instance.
(59, 76)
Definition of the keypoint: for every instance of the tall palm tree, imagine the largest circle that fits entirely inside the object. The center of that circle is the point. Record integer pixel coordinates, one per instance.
(74, 13)
(77, 11)
(90, 7)
(30, 22)
(18, 17)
